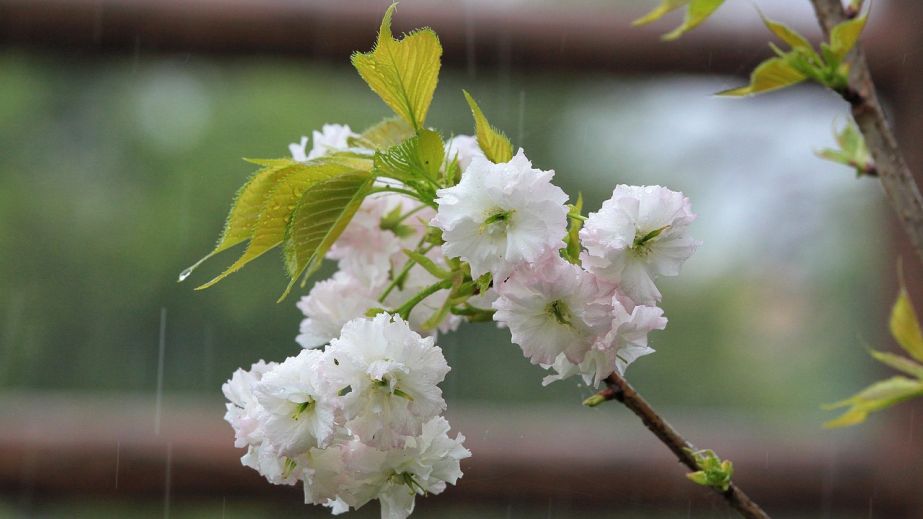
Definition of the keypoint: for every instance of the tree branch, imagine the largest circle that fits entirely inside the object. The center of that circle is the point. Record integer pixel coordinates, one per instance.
(617, 388)
(896, 178)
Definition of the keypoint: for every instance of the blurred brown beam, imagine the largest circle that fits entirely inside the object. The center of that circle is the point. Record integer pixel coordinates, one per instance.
(474, 33)
(62, 446)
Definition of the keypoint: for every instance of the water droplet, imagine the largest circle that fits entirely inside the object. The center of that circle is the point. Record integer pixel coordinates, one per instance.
(185, 274)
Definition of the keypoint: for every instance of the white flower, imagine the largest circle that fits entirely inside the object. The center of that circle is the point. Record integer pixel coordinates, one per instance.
(331, 304)
(463, 148)
(625, 342)
(298, 402)
(277, 469)
(371, 244)
(332, 137)
(501, 215)
(637, 235)
(553, 307)
(325, 478)
(392, 375)
(243, 409)
(423, 464)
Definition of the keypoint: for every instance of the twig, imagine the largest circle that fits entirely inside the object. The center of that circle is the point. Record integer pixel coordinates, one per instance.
(896, 178)
(617, 388)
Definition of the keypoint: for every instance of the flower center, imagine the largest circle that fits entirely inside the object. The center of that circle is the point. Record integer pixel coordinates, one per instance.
(497, 216)
(406, 478)
(385, 383)
(642, 243)
(558, 309)
(302, 407)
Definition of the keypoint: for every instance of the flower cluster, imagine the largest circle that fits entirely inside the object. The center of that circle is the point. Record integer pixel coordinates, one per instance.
(357, 421)
(356, 415)
(427, 232)
(590, 318)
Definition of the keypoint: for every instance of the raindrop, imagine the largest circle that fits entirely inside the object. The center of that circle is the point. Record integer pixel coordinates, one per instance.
(185, 274)
(160, 354)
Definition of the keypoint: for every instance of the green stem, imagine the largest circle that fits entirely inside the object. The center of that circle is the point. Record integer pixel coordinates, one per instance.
(402, 274)
(405, 309)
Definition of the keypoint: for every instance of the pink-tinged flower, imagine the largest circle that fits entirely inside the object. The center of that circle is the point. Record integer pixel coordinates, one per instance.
(553, 308)
(392, 375)
(625, 341)
(638, 234)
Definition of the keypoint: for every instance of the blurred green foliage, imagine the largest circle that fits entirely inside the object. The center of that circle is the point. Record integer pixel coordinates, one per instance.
(116, 173)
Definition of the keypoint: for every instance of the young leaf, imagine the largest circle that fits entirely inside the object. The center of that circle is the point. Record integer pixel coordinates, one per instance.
(246, 207)
(698, 12)
(899, 363)
(905, 327)
(419, 157)
(389, 132)
(853, 152)
(402, 72)
(772, 74)
(493, 142)
(844, 36)
(571, 251)
(879, 395)
(787, 34)
(278, 204)
(658, 12)
(324, 210)
(713, 472)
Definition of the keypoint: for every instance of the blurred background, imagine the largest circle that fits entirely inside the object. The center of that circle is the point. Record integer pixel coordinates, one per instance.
(122, 128)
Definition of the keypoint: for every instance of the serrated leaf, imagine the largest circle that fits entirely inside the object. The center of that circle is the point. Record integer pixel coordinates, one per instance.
(658, 12)
(898, 362)
(905, 327)
(876, 397)
(843, 36)
(402, 72)
(279, 202)
(418, 157)
(787, 34)
(493, 142)
(323, 212)
(772, 74)
(246, 207)
(389, 132)
(697, 12)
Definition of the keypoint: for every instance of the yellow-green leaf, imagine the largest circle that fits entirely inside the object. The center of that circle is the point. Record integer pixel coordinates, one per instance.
(494, 143)
(420, 156)
(899, 363)
(787, 34)
(389, 132)
(658, 12)
(698, 12)
(322, 213)
(844, 36)
(402, 72)
(905, 327)
(879, 395)
(772, 74)
(246, 207)
(280, 200)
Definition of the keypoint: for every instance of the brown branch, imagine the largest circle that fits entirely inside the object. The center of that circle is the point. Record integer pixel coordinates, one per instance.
(896, 178)
(617, 388)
